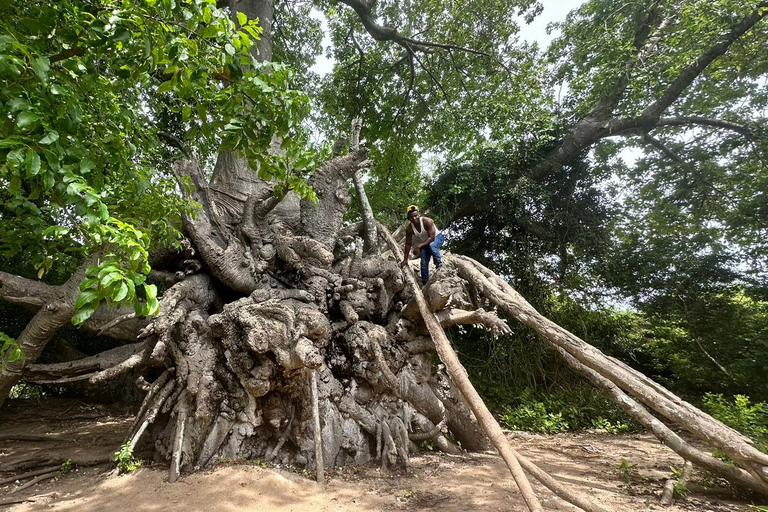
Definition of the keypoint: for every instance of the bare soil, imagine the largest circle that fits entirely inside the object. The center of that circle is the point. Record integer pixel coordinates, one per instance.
(44, 433)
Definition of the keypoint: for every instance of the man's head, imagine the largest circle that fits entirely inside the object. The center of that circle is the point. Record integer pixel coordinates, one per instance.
(413, 214)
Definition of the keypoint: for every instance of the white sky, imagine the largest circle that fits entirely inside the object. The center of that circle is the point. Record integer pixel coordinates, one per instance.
(554, 11)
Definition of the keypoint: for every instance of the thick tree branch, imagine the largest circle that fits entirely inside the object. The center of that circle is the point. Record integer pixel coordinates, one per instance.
(369, 222)
(34, 295)
(381, 33)
(175, 142)
(29, 293)
(649, 23)
(706, 121)
(56, 312)
(693, 70)
(596, 125)
(631, 125)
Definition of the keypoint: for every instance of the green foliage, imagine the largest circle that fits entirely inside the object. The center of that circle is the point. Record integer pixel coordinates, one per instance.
(543, 234)
(679, 489)
(749, 419)
(618, 427)
(522, 371)
(443, 99)
(26, 391)
(88, 87)
(626, 470)
(566, 410)
(10, 351)
(689, 339)
(126, 462)
(67, 466)
(533, 417)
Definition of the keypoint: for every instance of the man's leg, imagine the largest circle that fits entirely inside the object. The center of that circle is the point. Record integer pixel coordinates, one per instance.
(435, 249)
(425, 254)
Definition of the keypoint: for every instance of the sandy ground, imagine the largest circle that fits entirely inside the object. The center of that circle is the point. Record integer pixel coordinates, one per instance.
(51, 431)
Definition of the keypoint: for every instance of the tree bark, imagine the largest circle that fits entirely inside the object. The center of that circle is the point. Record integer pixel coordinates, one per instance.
(56, 311)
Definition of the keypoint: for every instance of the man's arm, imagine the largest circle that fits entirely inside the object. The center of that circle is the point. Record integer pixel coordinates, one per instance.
(408, 242)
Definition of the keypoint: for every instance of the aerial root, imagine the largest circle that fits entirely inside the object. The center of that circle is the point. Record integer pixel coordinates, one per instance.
(157, 401)
(283, 437)
(317, 432)
(213, 441)
(182, 412)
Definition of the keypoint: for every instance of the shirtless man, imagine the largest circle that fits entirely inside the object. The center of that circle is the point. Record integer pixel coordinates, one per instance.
(427, 239)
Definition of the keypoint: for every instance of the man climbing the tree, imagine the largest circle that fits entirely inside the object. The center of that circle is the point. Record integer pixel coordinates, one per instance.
(428, 241)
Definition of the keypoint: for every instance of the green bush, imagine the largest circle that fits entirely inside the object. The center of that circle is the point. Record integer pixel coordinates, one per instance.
(749, 419)
(578, 408)
(126, 462)
(533, 417)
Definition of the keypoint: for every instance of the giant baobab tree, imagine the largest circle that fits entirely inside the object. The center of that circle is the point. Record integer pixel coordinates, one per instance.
(276, 313)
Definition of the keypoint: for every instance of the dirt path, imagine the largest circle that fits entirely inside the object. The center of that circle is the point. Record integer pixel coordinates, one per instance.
(57, 430)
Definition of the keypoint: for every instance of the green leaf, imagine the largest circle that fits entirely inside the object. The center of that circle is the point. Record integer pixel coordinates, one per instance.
(49, 138)
(110, 278)
(16, 156)
(17, 104)
(121, 34)
(150, 290)
(83, 314)
(85, 297)
(166, 86)
(15, 354)
(32, 163)
(26, 119)
(242, 18)
(87, 165)
(15, 184)
(40, 66)
(120, 293)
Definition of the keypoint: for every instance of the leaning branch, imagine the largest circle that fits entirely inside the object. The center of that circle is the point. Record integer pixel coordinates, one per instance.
(369, 222)
(489, 424)
(653, 395)
(29, 293)
(56, 312)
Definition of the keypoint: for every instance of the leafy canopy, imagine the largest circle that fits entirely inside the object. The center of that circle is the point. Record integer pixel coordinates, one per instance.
(89, 88)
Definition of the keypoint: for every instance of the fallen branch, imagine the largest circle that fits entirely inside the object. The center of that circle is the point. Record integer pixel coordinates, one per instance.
(615, 378)
(29, 474)
(459, 375)
(667, 496)
(41, 478)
